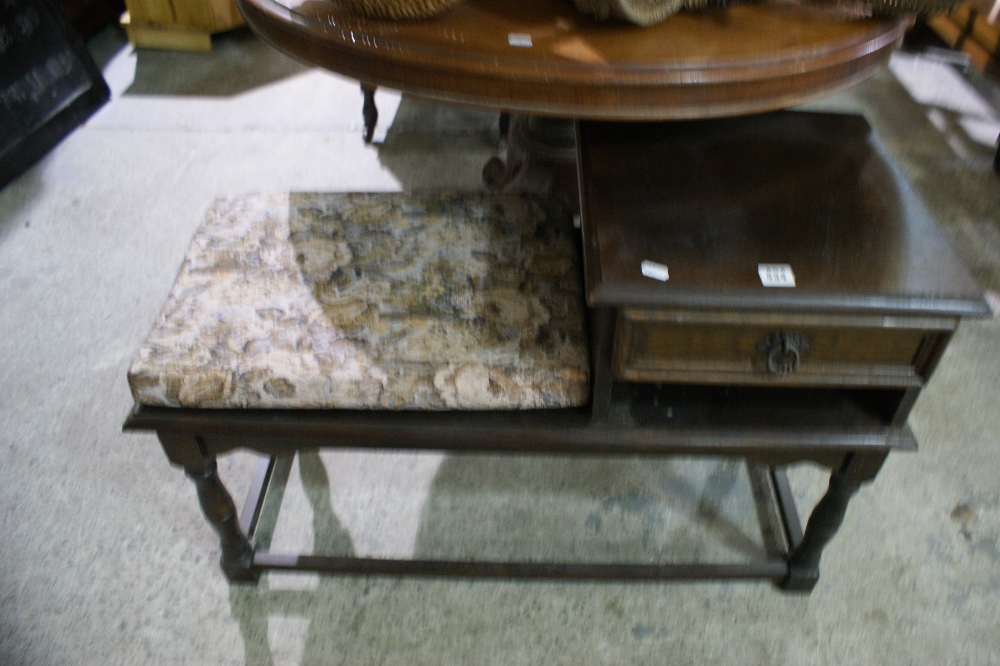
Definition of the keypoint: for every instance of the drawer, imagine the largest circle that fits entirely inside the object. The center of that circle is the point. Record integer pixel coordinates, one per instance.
(740, 348)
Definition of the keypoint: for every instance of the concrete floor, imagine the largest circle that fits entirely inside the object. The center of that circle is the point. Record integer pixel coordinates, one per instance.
(104, 556)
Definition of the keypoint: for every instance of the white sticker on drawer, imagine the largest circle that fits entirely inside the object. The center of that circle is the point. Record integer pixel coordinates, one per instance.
(651, 269)
(519, 39)
(776, 275)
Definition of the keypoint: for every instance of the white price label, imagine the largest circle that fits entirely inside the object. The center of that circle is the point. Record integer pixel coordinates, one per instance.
(776, 275)
(651, 269)
(519, 39)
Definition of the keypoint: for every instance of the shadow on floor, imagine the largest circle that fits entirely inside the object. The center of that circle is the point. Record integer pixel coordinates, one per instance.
(487, 507)
(16, 196)
(422, 133)
(589, 510)
(239, 62)
(253, 605)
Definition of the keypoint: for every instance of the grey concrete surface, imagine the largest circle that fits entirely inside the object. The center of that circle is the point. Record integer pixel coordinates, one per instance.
(105, 558)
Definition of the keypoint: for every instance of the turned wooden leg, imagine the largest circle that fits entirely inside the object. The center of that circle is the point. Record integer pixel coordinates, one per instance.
(369, 111)
(216, 504)
(218, 507)
(541, 156)
(499, 174)
(826, 518)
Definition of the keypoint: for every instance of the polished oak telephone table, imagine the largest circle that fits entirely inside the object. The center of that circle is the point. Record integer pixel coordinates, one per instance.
(264, 345)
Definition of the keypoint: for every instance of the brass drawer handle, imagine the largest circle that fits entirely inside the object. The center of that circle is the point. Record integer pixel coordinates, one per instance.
(784, 351)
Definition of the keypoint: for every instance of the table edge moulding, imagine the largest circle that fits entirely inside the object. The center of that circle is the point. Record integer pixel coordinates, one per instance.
(698, 64)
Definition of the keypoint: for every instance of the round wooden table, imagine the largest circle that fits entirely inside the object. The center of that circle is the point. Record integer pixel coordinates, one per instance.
(543, 58)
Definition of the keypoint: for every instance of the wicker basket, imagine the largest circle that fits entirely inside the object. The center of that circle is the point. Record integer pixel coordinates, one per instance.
(650, 12)
(640, 12)
(921, 8)
(397, 9)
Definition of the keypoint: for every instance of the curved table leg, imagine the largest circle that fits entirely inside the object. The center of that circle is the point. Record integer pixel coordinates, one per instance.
(498, 175)
(541, 155)
(369, 111)
(216, 504)
(826, 518)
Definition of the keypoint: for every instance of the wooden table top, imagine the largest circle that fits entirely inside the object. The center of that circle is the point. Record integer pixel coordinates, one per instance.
(716, 200)
(715, 62)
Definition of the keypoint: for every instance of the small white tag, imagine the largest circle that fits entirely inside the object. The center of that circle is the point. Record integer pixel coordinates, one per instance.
(776, 275)
(651, 269)
(519, 39)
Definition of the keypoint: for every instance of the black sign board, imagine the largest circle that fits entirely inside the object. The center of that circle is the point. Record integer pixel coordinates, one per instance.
(49, 84)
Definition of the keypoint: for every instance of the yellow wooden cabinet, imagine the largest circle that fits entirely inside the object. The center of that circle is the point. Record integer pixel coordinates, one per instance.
(184, 25)
(973, 28)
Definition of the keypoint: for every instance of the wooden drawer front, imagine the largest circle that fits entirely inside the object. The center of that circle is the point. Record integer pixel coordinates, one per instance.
(651, 347)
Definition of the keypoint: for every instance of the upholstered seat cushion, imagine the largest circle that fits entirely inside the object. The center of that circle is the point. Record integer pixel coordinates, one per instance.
(373, 301)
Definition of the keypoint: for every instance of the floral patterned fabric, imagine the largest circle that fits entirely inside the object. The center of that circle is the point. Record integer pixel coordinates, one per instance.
(373, 301)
